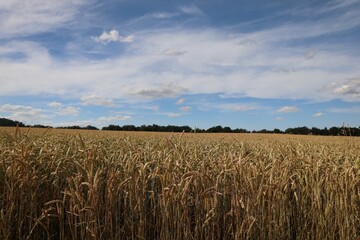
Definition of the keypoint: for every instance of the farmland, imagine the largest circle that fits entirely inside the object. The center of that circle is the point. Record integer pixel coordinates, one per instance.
(68, 184)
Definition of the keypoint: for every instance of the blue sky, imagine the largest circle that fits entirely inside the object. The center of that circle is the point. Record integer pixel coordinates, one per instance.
(243, 64)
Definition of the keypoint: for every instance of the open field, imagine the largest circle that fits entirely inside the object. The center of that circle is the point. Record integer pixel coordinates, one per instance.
(68, 184)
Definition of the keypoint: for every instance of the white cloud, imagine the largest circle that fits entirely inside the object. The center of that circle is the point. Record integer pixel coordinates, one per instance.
(238, 107)
(161, 15)
(9, 108)
(113, 118)
(174, 52)
(150, 17)
(279, 118)
(206, 105)
(71, 111)
(23, 113)
(318, 114)
(21, 18)
(173, 115)
(26, 51)
(288, 109)
(180, 101)
(162, 91)
(349, 89)
(113, 36)
(55, 105)
(96, 101)
(324, 25)
(154, 108)
(192, 10)
(64, 111)
(82, 123)
(185, 108)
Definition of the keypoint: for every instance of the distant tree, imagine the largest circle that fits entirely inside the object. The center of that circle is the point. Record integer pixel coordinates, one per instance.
(298, 130)
(154, 128)
(216, 129)
(227, 130)
(112, 128)
(356, 131)
(276, 130)
(89, 127)
(240, 130)
(316, 131)
(325, 131)
(70, 127)
(264, 131)
(41, 126)
(334, 131)
(186, 128)
(4, 122)
(199, 130)
(219, 129)
(129, 128)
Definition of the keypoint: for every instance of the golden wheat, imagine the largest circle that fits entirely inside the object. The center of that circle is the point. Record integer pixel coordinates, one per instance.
(63, 184)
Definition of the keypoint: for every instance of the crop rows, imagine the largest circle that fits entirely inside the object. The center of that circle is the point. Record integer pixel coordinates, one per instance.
(104, 185)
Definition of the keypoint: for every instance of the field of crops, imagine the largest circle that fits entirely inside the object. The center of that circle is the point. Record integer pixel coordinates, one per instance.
(63, 184)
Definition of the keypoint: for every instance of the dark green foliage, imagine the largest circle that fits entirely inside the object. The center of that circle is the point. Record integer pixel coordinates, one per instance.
(4, 122)
(333, 131)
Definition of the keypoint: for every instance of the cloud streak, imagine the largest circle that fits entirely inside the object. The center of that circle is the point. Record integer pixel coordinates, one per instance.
(96, 101)
(185, 108)
(318, 114)
(68, 111)
(288, 109)
(113, 118)
(21, 18)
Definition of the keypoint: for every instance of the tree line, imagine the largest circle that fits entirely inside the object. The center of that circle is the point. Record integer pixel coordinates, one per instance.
(333, 131)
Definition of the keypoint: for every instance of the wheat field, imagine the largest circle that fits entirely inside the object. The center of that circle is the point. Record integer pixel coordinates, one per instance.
(67, 184)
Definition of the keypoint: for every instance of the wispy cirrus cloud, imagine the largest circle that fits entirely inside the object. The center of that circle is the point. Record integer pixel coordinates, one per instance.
(115, 118)
(180, 101)
(174, 52)
(21, 18)
(318, 114)
(68, 111)
(192, 10)
(345, 110)
(288, 109)
(153, 108)
(96, 101)
(223, 106)
(162, 91)
(238, 107)
(173, 115)
(185, 108)
(55, 104)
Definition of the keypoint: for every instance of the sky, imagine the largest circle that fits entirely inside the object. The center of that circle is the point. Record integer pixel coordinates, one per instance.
(239, 63)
